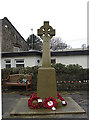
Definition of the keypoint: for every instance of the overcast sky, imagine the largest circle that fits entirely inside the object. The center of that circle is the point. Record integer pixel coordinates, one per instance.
(68, 17)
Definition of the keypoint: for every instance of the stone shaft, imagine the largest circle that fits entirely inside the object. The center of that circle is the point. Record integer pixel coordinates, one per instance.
(46, 60)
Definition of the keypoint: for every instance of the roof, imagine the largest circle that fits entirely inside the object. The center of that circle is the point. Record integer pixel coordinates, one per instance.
(38, 53)
(5, 18)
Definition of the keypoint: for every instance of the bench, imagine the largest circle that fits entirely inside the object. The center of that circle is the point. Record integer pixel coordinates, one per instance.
(14, 80)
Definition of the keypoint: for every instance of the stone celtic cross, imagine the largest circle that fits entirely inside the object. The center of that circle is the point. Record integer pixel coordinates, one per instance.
(46, 32)
(46, 83)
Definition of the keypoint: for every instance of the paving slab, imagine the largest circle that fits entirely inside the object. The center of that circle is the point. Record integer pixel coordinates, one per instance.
(22, 110)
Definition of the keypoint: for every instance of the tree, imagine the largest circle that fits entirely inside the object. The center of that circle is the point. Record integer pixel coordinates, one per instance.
(83, 46)
(34, 42)
(88, 47)
(56, 43)
(69, 47)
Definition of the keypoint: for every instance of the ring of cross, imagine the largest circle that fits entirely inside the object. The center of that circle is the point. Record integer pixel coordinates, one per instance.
(46, 31)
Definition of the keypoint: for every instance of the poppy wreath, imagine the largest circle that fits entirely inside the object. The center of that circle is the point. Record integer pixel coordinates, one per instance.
(33, 95)
(31, 105)
(62, 100)
(49, 103)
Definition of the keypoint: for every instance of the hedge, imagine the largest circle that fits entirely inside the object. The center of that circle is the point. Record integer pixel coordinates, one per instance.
(63, 73)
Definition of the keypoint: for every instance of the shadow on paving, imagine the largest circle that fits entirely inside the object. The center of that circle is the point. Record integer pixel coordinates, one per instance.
(11, 97)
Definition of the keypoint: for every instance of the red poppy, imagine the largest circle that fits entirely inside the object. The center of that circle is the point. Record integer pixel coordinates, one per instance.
(33, 95)
(62, 100)
(30, 102)
(49, 103)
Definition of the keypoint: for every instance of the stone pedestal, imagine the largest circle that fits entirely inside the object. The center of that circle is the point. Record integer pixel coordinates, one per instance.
(46, 84)
(21, 110)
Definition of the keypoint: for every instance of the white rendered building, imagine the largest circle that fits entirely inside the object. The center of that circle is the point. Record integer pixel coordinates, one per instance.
(34, 58)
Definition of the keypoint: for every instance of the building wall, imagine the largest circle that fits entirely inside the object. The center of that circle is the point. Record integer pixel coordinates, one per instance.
(29, 61)
(88, 61)
(32, 60)
(77, 59)
(0, 33)
(11, 38)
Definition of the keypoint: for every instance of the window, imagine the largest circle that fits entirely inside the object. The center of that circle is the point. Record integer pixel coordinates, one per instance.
(53, 61)
(6, 26)
(7, 63)
(19, 63)
(16, 49)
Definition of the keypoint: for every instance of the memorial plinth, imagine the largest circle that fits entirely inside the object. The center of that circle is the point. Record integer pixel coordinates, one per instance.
(46, 84)
(22, 110)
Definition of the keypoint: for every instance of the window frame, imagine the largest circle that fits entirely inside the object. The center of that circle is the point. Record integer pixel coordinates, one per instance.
(7, 63)
(54, 59)
(19, 63)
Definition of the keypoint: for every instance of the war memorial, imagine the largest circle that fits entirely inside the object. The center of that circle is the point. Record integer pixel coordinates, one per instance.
(46, 101)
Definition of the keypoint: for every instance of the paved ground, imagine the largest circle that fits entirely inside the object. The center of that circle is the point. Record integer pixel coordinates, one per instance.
(11, 97)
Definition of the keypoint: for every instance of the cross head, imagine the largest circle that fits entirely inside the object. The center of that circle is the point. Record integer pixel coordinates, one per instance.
(46, 31)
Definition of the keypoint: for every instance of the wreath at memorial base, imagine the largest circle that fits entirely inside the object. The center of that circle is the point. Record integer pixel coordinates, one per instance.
(33, 95)
(62, 100)
(50, 103)
(35, 102)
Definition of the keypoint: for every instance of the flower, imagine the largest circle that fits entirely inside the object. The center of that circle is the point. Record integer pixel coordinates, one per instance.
(60, 81)
(62, 100)
(33, 95)
(57, 81)
(49, 103)
(31, 102)
(59, 96)
(86, 80)
(19, 82)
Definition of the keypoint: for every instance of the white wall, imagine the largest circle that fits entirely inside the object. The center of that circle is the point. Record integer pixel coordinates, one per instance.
(88, 61)
(0, 33)
(0, 39)
(28, 61)
(32, 60)
(77, 59)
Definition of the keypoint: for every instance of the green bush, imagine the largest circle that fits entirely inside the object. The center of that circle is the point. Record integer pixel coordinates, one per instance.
(63, 73)
(69, 72)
